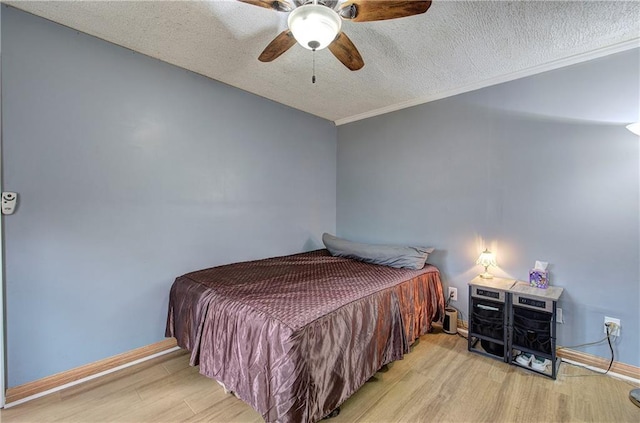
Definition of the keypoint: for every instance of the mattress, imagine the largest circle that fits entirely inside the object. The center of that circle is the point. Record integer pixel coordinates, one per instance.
(295, 336)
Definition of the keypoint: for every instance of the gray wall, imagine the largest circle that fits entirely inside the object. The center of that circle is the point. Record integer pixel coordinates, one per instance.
(131, 172)
(537, 169)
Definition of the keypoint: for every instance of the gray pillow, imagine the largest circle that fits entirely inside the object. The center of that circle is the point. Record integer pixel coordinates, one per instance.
(386, 255)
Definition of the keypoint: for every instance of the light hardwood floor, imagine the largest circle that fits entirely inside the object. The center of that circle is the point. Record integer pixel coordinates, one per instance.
(439, 381)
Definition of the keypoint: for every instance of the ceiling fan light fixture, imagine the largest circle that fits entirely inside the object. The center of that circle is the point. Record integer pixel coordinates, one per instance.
(314, 26)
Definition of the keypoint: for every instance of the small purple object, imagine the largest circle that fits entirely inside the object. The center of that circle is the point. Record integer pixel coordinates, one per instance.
(539, 278)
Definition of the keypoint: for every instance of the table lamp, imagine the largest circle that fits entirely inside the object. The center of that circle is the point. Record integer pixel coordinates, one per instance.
(486, 259)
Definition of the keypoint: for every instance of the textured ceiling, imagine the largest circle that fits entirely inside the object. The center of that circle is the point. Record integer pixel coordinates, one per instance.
(454, 47)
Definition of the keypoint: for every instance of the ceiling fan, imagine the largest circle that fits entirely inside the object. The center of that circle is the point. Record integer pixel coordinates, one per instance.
(316, 24)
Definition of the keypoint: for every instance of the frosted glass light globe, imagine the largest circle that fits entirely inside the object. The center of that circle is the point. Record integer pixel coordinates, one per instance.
(314, 26)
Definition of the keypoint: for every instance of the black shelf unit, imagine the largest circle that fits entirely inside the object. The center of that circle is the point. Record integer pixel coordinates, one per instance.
(508, 317)
(489, 306)
(532, 315)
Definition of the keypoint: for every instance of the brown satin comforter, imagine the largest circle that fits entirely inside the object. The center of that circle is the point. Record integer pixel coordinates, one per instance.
(295, 336)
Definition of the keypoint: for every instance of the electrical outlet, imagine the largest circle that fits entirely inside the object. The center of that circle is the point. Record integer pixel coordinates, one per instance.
(613, 331)
(453, 294)
(559, 316)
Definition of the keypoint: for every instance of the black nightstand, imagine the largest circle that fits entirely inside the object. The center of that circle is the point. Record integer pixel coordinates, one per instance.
(489, 305)
(532, 313)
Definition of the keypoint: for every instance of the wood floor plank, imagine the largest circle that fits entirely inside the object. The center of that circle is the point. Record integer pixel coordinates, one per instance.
(78, 410)
(206, 398)
(182, 383)
(439, 381)
(394, 404)
(176, 361)
(165, 409)
(228, 409)
(98, 388)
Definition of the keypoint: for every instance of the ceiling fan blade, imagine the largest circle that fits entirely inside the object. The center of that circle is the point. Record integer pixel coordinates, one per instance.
(377, 10)
(283, 42)
(346, 52)
(279, 5)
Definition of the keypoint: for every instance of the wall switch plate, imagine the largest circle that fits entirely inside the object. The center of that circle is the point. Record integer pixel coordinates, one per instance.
(453, 294)
(559, 316)
(608, 319)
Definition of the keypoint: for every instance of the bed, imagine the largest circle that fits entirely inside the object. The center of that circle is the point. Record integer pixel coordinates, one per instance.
(295, 336)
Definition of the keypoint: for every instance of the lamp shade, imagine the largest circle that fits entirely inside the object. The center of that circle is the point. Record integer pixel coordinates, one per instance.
(314, 26)
(634, 127)
(486, 259)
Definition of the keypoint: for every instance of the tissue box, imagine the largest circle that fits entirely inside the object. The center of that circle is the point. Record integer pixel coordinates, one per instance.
(539, 278)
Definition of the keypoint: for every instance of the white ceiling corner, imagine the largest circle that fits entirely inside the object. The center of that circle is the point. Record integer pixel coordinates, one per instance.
(456, 46)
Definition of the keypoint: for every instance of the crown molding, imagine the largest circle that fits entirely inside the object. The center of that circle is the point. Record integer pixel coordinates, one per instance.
(534, 70)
